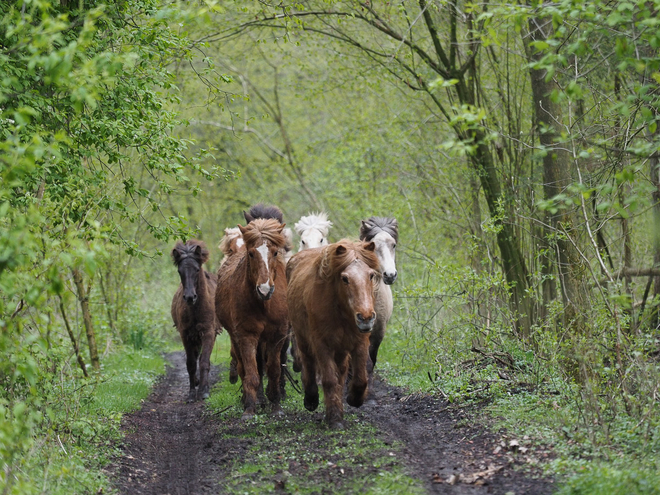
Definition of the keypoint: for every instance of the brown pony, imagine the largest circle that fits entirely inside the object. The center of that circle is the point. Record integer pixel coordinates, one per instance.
(193, 312)
(331, 307)
(250, 302)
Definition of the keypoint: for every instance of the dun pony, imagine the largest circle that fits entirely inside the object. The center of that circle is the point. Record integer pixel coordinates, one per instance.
(331, 308)
(193, 312)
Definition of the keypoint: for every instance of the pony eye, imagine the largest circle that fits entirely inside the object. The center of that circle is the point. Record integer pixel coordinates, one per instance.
(251, 254)
(344, 279)
(371, 276)
(394, 247)
(275, 254)
(304, 243)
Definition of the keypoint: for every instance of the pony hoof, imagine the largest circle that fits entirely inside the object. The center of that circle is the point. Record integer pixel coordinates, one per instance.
(192, 397)
(311, 403)
(354, 401)
(205, 396)
(233, 378)
(337, 425)
(277, 411)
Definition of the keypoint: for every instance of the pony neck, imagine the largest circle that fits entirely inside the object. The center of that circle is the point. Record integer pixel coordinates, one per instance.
(202, 285)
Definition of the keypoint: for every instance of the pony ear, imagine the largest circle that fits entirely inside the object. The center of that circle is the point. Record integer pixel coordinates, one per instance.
(364, 226)
(371, 246)
(281, 228)
(248, 217)
(241, 228)
(341, 249)
(176, 256)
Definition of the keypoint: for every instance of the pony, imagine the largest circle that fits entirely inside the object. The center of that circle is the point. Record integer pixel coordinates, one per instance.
(313, 230)
(250, 303)
(193, 313)
(264, 212)
(384, 233)
(331, 300)
(230, 243)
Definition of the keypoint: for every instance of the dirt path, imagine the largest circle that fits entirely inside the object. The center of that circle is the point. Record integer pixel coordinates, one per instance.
(176, 448)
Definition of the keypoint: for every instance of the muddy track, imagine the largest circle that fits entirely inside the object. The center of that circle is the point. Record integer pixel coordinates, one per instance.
(176, 448)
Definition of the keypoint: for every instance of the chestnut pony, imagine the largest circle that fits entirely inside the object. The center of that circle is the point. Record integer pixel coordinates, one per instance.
(331, 308)
(250, 303)
(193, 312)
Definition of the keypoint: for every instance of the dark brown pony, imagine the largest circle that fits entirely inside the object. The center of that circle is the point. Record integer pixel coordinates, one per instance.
(331, 308)
(250, 302)
(193, 312)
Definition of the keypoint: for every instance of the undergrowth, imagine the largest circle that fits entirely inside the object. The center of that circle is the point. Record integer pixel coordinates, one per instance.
(596, 410)
(81, 425)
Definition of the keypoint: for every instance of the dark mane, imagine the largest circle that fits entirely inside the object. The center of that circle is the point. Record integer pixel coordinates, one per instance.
(193, 248)
(375, 225)
(262, 211)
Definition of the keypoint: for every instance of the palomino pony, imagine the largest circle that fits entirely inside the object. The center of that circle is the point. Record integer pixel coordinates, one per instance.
(193, 312)
(230, 243)
(313, 230)
(250, 303)
(384, 233)
(331, 306)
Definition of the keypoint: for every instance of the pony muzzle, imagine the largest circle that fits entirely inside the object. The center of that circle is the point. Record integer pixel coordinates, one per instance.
(389, 278)
(265, 291)
(365, 325)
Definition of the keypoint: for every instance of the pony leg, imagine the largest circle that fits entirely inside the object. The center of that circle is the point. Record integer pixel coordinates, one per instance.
(274, 372)
(205, 364)
(233, 366)
(295, 354)
(331, 376)
(309, 380)
(250, 376)
(283, 362)
(261, 398)
(357, 388)
(192, 353)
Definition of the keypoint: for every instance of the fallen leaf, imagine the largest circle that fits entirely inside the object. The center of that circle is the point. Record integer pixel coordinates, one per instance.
(453, 479)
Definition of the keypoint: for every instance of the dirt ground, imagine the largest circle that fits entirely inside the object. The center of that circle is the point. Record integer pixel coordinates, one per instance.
(176, 448)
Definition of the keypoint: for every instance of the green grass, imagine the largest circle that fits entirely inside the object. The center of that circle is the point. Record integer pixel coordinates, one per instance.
(299, 453)
(83, 425)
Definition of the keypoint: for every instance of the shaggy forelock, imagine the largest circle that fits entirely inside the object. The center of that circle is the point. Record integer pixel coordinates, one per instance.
(333, 263)
(260, 229)
(373, 226)
(189, 250)
(317, 221)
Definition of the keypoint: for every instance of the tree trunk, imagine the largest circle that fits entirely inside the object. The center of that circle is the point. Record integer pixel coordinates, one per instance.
(83, 298)
(556, 171)
(74, 342)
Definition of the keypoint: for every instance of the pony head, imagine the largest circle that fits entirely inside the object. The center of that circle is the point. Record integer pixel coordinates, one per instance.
(384, 232)
(189, 258)
(353, 266)
(263, 241)
(313, 230)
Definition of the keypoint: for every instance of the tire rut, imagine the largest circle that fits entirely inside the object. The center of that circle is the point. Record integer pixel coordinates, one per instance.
(172, 447)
